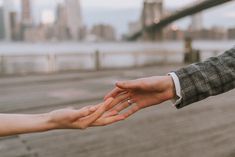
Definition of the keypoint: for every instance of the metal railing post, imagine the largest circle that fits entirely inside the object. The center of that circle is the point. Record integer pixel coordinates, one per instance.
(136, 59)
(97, 60)
(2, 64)
(165, 57)
(51, 59)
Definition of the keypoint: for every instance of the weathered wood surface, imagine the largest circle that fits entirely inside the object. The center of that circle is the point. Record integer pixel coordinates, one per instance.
(204, 129)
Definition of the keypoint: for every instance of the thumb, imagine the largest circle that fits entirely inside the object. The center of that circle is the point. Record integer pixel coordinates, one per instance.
(133, 84)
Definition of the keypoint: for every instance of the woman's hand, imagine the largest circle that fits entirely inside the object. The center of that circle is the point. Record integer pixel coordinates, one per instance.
(12, 124)
(80, 119)
(141, 93)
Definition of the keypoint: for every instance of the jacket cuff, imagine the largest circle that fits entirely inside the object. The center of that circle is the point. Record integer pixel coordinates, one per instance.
(176, 101)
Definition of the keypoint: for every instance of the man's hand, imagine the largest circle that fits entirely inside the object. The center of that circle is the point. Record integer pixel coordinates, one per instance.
(141, 93)
(81, 119)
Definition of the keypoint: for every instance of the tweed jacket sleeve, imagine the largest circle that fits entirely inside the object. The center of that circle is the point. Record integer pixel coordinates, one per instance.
(212, 77)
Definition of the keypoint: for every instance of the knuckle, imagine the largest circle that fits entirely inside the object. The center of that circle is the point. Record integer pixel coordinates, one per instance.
(134, 99)
(104, 124)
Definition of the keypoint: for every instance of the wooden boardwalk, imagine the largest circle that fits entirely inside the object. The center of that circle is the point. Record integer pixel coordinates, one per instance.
(204, 129)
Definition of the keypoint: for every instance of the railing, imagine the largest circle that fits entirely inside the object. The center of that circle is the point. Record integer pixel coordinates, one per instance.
(52, 63)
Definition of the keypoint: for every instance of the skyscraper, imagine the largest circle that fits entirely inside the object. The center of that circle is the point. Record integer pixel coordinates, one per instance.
(74, 19)
(104, 32)
(26, 17)
(61, 23)
(2, 35)
(7, 8)
(13, 25)
(197, 20)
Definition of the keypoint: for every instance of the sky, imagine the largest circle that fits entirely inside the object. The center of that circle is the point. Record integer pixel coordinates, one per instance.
(113, 3)
(130, 3)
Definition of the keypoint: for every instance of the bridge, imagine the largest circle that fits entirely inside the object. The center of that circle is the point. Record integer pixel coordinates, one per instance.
(178, 15)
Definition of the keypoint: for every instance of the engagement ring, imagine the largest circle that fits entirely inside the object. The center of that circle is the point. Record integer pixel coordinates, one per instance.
(129, 102)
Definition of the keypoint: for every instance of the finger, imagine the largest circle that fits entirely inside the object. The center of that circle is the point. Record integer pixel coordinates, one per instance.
(93, 108)
(131, 111)
(109, 120)
(70, 107)
(115, 92)
(118, 100)
(98, 113)
(110, 114)
(83, 112)
(121, 107)
(127, 85)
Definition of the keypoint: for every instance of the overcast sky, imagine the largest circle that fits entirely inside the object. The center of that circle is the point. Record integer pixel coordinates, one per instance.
(114, 3)
(129, 3)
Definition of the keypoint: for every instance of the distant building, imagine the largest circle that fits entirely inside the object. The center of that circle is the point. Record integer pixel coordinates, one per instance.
(231, 33)
(104, 32)
(62, 31)
(41, 33)
(34, 34)
(15, 27)
(214, 33)
(2, 26)
(83, 33)
(7, 8)
(26, 17)
(74, 18)
(172, 32)
(196, 23)
(197, 20)
(134, 27)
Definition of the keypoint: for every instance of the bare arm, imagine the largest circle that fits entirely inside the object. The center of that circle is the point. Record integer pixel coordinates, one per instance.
(11, 124)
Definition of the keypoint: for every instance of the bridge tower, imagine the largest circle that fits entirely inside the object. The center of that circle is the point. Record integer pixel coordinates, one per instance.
(152, 13)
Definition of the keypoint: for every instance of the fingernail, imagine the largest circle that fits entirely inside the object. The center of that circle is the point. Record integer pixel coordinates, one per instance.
(122, 117)
(118, 83)
(106, 97)
(110, 100)
(93, 108)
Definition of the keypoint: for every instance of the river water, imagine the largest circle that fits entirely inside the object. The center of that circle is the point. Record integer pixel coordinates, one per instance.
(50, 57)
(70, 47)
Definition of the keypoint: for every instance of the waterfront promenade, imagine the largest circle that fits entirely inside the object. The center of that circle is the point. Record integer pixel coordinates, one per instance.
(204, 129)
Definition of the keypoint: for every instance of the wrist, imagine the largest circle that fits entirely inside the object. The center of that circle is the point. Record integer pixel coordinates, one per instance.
(171, 88)
(48, 121)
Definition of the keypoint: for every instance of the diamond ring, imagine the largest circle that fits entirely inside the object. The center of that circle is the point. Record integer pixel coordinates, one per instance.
(129, 102)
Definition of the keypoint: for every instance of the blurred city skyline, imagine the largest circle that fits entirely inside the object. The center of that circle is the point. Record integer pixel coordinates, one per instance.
(110, 3)
(82, 20)
(107, 13)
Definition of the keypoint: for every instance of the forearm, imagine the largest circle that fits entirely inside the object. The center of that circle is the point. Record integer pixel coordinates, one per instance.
(11, 124)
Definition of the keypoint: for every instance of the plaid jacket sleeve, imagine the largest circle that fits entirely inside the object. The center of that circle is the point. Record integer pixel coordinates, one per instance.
(212, 77)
